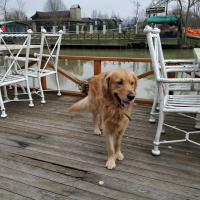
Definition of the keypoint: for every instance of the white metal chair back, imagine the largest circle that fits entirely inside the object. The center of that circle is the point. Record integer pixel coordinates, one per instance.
(171, 103)
(53, 54)
(48, 61)
(13, 72)
(14, 64)
(156, 53)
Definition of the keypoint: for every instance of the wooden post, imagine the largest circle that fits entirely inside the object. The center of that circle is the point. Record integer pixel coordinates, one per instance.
(97, 67)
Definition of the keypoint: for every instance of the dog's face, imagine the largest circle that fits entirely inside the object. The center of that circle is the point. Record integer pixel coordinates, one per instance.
(121, 84)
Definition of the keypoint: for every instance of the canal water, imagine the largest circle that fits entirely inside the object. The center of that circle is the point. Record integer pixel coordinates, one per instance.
(84, 69)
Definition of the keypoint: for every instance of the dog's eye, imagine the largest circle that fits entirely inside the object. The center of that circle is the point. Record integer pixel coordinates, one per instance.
(132, 83)
(119, 82)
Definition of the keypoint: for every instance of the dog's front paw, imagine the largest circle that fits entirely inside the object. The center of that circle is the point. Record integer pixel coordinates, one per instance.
(119, 156)
(97, 131)
(110, 164)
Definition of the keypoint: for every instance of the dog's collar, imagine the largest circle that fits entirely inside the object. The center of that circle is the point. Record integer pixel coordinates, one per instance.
(127, 116)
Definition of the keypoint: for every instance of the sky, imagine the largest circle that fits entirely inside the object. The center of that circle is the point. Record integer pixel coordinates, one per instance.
(125, 8)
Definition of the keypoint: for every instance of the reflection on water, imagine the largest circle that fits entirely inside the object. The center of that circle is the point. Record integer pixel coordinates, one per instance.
(84, 69)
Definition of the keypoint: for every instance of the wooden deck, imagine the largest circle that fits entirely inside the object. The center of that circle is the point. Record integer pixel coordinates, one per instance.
(47, 154)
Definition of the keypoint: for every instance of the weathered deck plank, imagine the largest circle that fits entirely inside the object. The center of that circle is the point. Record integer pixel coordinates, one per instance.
(46, 153)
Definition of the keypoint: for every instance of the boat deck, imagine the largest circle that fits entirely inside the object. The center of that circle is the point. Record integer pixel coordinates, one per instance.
(47, 154)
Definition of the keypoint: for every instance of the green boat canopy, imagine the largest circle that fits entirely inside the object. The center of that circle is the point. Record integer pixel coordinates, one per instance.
(163, 19)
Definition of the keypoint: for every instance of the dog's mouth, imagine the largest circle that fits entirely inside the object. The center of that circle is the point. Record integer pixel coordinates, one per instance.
(124, 104)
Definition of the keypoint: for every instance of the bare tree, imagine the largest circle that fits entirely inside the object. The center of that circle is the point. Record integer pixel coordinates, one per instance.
(18, 14)
(55, 6)
(12, 14)
(94, 14)
(99, 14)
(21, 5)
(184, 7)
(191, 3)
(137, 7)
(4, 10)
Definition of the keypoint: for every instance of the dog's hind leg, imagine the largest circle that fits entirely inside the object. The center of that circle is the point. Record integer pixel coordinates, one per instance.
(96, 126)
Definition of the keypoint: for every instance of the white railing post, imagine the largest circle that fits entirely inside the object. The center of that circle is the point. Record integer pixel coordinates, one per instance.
(64, 29)
(42, 28)
(91, 29)
(120, 28)
(54, 29)
(104, 29)
(77, 29)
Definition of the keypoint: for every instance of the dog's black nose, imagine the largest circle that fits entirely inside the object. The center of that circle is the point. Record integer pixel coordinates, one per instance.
(131, 96)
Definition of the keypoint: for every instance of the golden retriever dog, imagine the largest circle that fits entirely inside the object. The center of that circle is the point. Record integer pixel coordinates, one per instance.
(111, 95)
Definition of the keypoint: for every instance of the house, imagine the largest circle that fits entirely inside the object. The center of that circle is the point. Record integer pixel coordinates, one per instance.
(68, 19)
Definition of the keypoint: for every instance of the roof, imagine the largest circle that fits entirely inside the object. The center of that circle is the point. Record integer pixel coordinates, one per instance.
(86, 18)
(95, 19)
(163, 19)
(39, 14)
(103, 20)
(10, 22)
(64, 20)
(118, 20)
(75, 6)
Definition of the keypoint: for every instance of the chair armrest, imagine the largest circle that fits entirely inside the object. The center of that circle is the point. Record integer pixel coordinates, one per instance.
(183, 68)
(20, 58)
(45, 55)
(179, 80)
(179, 61)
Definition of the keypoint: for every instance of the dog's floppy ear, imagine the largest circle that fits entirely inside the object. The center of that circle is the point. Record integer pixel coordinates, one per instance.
(106, 82)
(136, 80)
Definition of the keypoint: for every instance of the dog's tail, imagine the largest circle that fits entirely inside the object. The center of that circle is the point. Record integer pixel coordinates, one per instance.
(81, 105)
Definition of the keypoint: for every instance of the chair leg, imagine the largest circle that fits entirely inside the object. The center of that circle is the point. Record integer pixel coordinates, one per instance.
(153, 109)
(22, 88)
(58, 85)
(3, 112)
(41, 90)
(34, 90)
(16, 93)
(155, 151)
(5, 93)
(29, 94)
(197, 126)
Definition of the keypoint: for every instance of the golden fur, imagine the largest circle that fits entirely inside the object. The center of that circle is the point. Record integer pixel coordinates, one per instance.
(111, 95)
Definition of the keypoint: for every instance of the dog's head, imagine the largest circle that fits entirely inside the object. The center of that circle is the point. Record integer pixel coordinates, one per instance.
(120, 85)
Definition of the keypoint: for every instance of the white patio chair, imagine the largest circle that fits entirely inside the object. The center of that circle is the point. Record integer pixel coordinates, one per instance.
(183, 66)
(184, 104)
(10, 77)
(51, 59)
